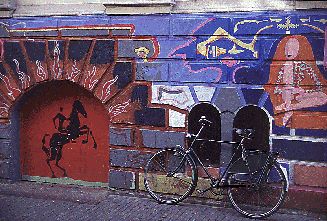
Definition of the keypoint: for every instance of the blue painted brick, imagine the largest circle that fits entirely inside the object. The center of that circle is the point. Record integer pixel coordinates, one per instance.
(179, 47)
(128, 158)
(252, 96)
(280, 130)
(121, 179)
(251, 72)
(311, 133)
(149, 138)
(5, 131)
(5, 149)
(152, 71)
(201, 71)
(120, 136)
(162, 139)
(145, 25)
(4, 169)
(83, 21)
(169, 139)
(185, 25)
(301, 150)
(39, 22)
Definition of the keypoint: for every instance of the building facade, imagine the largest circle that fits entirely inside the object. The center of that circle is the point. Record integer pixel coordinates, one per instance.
(91, 89)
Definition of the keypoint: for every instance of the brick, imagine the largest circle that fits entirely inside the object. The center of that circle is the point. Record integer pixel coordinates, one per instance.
(121, 179)
(149, 138)
(169, 139)
(177, 119)
(228, 100)
(178, 96)
(128, 158)
(311, 133)
(152, 71)
(186, 25)
(82, 32)
(200, 71)
(145, 25)
(307, 198)
(5, 131)
(120, 136)
(4, 33)
(226, 128)
(162, 139)
(310, 175)
(5, 149)
(4, 169)
(84, 21)
(213, 171)
(36, 33)
(126, 47)
(301, 150)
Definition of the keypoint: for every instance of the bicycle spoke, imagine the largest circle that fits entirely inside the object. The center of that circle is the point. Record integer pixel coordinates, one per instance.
(163, 167)
(259, 201)
(173, 185)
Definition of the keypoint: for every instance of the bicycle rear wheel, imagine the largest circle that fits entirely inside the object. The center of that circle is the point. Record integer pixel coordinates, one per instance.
(170, 176)
(258, 201)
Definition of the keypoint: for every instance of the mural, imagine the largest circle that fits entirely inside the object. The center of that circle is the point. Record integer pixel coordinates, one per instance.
(101, 66)
(143, 81)
(299, 84)
(285, 65)
(64, 135)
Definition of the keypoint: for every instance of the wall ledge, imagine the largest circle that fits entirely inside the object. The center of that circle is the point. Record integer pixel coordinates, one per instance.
(7, 7)
(59, 9)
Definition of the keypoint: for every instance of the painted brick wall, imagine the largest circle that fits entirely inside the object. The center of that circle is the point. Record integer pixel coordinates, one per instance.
(261, 70)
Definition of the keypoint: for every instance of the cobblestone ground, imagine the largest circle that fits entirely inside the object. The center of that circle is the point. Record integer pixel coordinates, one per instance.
(53, 202)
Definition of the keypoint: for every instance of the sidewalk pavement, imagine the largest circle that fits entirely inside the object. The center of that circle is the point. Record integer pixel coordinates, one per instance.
(36, 201)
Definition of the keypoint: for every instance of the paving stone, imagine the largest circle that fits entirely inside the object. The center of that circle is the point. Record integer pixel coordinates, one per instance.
(121, 207)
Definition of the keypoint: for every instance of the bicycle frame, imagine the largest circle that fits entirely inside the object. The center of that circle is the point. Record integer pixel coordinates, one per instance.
(220, 181)
(250, 169)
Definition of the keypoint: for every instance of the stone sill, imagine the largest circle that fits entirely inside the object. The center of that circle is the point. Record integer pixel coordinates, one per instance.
(6, 13)
(59, 9)
(137, 3)
(126, 7)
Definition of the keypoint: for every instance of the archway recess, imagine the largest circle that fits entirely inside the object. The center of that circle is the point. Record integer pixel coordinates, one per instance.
(49, 117)
(208, 152)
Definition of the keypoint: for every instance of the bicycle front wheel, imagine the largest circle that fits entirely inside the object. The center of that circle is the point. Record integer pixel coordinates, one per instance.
(258, 200)
(170, 176)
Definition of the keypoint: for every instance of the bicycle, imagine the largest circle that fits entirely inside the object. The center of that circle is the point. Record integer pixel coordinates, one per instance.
(251, 175)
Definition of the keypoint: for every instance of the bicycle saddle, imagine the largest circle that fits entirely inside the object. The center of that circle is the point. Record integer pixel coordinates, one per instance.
(244, 132)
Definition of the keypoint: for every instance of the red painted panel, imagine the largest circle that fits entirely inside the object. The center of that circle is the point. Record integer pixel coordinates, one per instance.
(80, 161)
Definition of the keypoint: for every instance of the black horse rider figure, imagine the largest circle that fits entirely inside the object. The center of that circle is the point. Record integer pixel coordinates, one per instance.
(66, 135)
